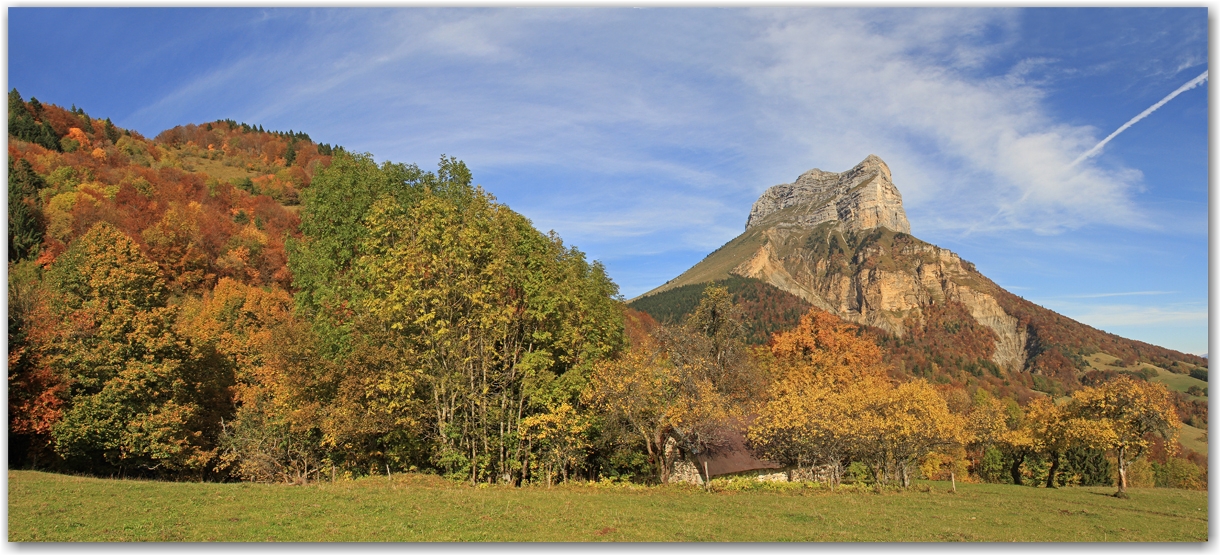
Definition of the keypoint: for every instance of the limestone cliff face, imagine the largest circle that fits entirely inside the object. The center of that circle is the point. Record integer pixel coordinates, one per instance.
(863, 197)
(881, 279)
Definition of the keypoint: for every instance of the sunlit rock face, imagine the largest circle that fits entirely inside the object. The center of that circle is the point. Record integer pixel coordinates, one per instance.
(863, 197)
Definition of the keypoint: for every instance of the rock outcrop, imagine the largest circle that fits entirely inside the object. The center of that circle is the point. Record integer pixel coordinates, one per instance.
(863, 197)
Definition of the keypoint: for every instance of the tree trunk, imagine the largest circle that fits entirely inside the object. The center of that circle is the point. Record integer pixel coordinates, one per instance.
(953, 480)
(1050, 476)
(662, 459)
(1016, 469)
(1122, 473)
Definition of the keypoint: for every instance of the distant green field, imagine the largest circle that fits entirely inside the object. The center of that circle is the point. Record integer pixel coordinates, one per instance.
(1193, 439)
(1175, 382)
(51, 507)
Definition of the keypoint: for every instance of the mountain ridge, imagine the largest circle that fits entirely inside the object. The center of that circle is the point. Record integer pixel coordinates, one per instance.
(852, 263)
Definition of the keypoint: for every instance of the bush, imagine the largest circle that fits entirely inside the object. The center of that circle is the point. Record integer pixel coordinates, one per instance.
(857, 473)
(1199, 374)
(991, 468)
(750, 483)
(1178, 473)
(1086, 467)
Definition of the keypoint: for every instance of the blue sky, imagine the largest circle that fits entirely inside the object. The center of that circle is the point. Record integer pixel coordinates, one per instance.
(642, 136)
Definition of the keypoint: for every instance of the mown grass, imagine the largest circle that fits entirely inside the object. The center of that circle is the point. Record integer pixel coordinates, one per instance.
(51, 507)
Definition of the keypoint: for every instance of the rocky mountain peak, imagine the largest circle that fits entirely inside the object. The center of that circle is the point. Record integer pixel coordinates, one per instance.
(863, 197)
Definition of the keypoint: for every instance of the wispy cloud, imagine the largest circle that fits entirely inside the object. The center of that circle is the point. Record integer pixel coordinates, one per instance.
(505, 86)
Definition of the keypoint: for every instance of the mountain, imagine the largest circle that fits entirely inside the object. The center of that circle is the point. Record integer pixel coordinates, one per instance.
(841, 242)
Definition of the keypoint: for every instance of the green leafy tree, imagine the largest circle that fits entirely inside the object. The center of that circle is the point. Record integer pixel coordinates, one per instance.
(487, 321)
(500, 320)
(142, 398)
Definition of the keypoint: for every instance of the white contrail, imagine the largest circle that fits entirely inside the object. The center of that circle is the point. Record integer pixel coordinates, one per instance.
(1190, 85)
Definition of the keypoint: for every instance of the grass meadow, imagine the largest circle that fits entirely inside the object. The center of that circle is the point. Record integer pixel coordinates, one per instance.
(59, 508)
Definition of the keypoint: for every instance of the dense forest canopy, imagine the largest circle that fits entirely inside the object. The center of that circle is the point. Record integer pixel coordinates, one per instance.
(224, 302)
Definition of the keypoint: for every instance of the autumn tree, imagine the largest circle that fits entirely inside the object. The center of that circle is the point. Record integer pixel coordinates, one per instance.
(915, 421)
(1055, 430)
(253, 330)
(640, 389)
(832, 402)
(559, 438)
(827, 378)
(1125, 412)
(36, 392)
(176, 243)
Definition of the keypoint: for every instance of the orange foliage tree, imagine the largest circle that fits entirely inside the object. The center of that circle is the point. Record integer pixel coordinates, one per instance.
(832, 402)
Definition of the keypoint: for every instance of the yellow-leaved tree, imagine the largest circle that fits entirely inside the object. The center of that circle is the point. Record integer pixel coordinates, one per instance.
(1123, 412)
(639, 388)
(559, 438)
(915, 421)
(1054, 429)
(817, 407)
(832, 402)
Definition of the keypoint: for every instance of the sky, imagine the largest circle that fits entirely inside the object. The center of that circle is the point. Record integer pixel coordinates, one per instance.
(643, 136)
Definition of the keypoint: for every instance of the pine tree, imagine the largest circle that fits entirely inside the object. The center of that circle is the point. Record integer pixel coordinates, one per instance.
(24, 229)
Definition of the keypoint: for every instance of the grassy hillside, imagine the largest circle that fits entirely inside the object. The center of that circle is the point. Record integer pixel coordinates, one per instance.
(1193, 438)
(765, 309)
(1175, 382)
(50, 507)
(716, 266)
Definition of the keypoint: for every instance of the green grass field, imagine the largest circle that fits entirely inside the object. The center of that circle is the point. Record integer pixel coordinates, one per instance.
(1175, 382)
(52, 507)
